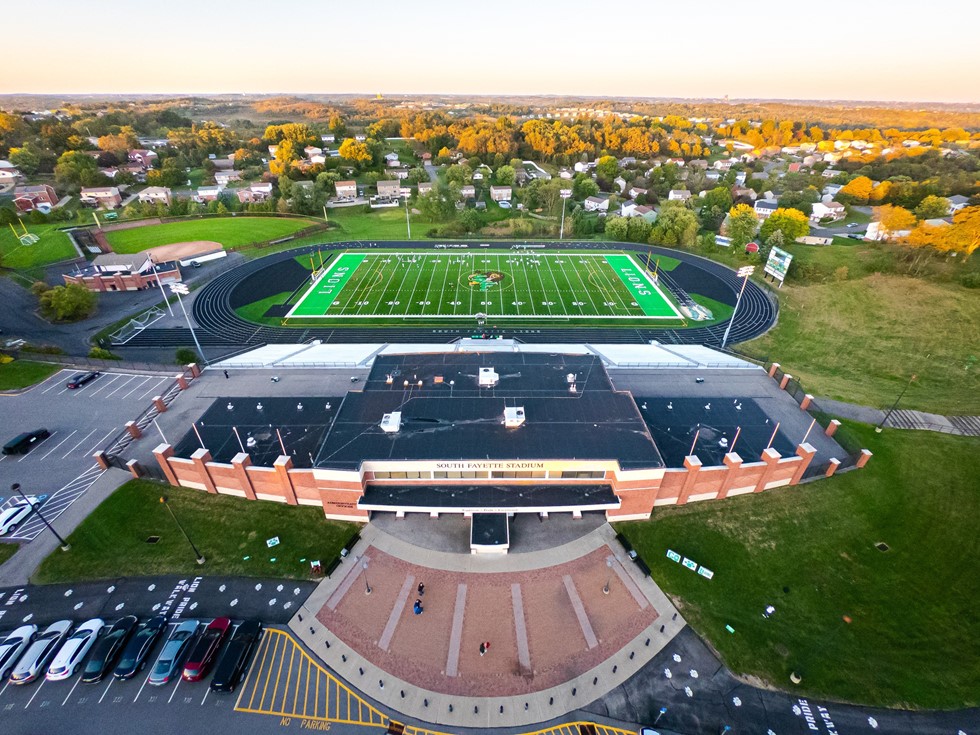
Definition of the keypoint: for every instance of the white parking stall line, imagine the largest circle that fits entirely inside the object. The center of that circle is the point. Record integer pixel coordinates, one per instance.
(55, 380)
(105, 385)
(175, 689)
(153, 387)
(36, 692)
(59, 443)
(206, 692)
(106, 690)
(71, 692)
(98, 442)
(38, 444)
(79, 443)
(125, 383)
(7, 684)
(138, 386)
(141, 688)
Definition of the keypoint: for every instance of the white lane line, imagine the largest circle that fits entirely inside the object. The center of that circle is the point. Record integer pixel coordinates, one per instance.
(106, 690)
(4, 687)
(153, 387)
(141, 688)
(106, 385)
(206, 691)
(132, 378)
(55, 381)
(79, 443)
(77, 681)
(175, 689)
(59, 443)
(36, 692)
(98, 443)
(140, 385)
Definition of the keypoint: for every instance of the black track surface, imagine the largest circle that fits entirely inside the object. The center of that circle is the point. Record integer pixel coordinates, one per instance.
(220, 326)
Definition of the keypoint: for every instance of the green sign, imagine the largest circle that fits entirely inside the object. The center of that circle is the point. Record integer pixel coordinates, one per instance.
(673, 556)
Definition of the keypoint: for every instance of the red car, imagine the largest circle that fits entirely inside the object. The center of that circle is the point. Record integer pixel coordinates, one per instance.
(205, 650)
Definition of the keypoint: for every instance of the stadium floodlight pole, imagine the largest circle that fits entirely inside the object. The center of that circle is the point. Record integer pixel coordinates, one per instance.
(181, 288)
(197, 554)
(564, 194)
(744, 272)
(65, 546)
(162, 292)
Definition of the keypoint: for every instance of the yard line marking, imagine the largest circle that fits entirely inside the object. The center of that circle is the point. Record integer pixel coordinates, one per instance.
(77, 681)
(79, 443)
(36, 692)
(106, 689)
(141, 688)
(115, 377)
(136, 388)
(176, 686)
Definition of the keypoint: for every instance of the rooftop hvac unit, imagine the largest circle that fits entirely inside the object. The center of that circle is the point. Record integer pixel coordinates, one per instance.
(391, 422)
(513, 417)
(488, 377)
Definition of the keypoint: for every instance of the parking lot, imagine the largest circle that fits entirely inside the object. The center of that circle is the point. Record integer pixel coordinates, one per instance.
(81, 421)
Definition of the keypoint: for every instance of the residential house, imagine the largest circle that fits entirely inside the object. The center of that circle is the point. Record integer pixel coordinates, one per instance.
(104, 197)
(9, 176)
(360, 138)
(958, 202)
(501, 193)
(397, 173)
(744, 193)
(208, 193)
(597, 204)
(877, 232)
(467, 191)
(223, 178)
(312, 150)
(830, 173)
(827, 210)
(647, 213)
(678, 195)
(712, 175)
(809, 161)
(4, 163)
(832, 189)
(273, 150)
(627, 161)
(566, 173)
(627, 208)
(328, 138)
(425, 187)
(346, 189)
(426, 158)
(636, 191)
(389, 189)
(318, 158)
(255, 192)
(621, 183)
(723, 164)
(765, 207)
(391, 158)
(740, 178)
(41, 197)
(676, 161)
(583, 166)
(143, 157)
(155, 195)
(698, 163)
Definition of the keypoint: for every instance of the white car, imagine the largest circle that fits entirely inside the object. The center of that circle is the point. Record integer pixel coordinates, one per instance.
(13, 645)
(38, 654)
(69, 658)
(12, 517)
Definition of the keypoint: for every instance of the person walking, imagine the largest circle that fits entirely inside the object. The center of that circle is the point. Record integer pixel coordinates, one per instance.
(226, 374)
(418, 607)
(421, 589)
(484, 647)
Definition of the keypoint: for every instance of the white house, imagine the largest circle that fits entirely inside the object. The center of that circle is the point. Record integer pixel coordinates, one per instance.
(765, 207)
(597, 204)
(636, 191)
(9, 176)
(957, 202)
(678, 195)
(627, 208)
(583, 166)
(500, 193)
(832, 189)
(827, 210)
(223, 178)
(155, 195)
(208, 193)
(878, 233)
(831, 172)
(467, 191)
(346, 189)
(620, 183)
(425, 187)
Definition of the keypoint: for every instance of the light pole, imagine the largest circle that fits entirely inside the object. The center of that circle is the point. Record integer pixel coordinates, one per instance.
(367, 586)
(198, 554)
(162, 292)
(181, 288)
(65, 546)
(744, 272)
(564, 194)
(663, 711)
(605, 590)
(408, 222)
(895, 404)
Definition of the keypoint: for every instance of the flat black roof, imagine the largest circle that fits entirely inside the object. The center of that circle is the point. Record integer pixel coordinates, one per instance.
(487, 496)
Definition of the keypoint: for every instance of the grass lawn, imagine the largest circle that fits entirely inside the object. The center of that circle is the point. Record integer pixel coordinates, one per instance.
(364, 223)
(861, 340)
(230, 532)
(22, 373)
(7, 550)
(229, 231)
(914, 639)
(53, 246)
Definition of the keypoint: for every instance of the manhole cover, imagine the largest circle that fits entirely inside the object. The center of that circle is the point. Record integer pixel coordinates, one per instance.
(881, 546)
(152, 539)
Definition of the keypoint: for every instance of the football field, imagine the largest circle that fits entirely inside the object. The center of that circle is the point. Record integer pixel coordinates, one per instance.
(499, 284)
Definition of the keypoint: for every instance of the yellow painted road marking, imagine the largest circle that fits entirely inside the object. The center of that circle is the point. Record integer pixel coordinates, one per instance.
(348, 707)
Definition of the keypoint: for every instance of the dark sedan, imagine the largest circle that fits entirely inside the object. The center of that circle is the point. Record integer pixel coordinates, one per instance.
(205, 650)
(77, 381)
(107, 649)
(134, 656)
(235, 659)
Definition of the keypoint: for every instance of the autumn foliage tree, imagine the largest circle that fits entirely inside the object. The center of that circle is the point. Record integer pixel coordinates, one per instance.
(791, 223)
(742, 224)
(894, 219)
(355, 152)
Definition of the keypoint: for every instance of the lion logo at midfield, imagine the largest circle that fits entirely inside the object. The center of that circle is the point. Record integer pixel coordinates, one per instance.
(485, 280)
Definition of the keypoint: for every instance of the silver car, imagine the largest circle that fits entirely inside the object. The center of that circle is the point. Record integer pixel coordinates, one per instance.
(13, 646)
(39, 653)
(174, 650)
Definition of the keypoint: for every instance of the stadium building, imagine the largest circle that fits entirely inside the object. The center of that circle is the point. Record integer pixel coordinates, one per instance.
(490, 429)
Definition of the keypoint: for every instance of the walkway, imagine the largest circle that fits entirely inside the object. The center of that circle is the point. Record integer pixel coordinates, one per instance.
(902, 418)
(558, 639)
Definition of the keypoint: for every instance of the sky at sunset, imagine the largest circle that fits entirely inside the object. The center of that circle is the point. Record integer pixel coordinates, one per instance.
(858, 49)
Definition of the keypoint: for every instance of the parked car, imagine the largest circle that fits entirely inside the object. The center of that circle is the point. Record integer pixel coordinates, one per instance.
(69, 658)
(13, 645)
(39, 653)
(201, 657)
(77, 381)
(107, 650)
(134, 655)
(23, 443)
(174, 650)
(235, 659)
(11, 518)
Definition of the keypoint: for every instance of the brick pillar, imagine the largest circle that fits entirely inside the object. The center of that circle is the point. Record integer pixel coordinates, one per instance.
(734, 464)
(772, 369)
(200, 458)
(195, 370)
(133, 430)
(806, 452)
(832, 427)
(160, 405)
(101, 459)
(134, 468)
(241, 462)
(771, 457)
(832, 467)
(863, 459)
(807, 400)
(163, 452)
(282, 466)
(785, 381)
(693, 466)
(181, 381)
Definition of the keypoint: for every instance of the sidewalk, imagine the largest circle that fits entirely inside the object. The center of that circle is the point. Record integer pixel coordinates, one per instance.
(901, 418)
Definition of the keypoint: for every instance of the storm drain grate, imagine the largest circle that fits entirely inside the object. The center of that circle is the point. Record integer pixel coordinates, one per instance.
(881, 546)
(152, 539)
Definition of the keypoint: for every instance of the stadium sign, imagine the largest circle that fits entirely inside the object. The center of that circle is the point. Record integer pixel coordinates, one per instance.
(778, 264)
